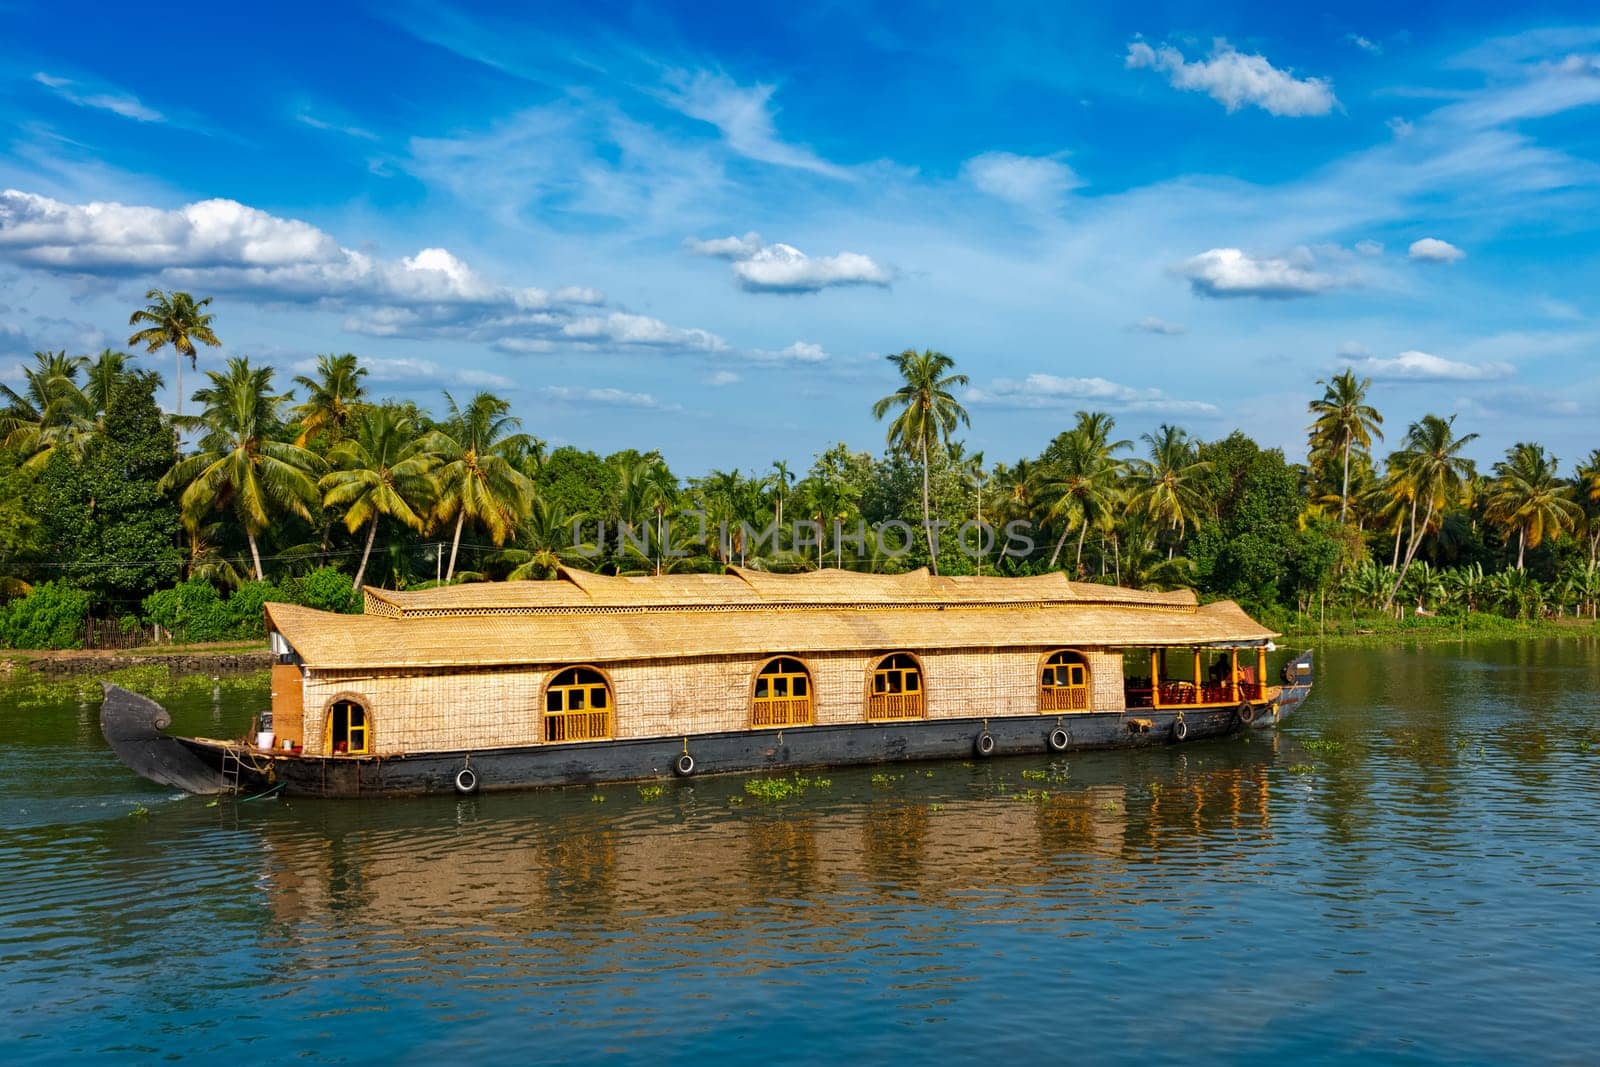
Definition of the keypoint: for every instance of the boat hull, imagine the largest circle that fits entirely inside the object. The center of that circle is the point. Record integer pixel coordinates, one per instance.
(135, 727)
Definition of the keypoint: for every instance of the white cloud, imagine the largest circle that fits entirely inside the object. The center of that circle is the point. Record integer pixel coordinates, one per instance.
(1372, 48)
(407, 371)
(781, 268)
(1052, 391)
(1226, 272)
(1369, 248)
(722, 377)
(606, 397)
(1152, 324)
(118, 103)
(734, 248)
(1234, 79)
(1037, 182)
(226, 246)
(306, 118)
(1401, 127)
(1417, 366)
(626, 329)
(1433, 250)
(799, 352)
(744, 116)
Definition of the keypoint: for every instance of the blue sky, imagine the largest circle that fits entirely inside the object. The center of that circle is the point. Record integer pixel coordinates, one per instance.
(702, 228)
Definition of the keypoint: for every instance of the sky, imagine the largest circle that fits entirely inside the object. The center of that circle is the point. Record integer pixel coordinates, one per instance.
(702, 228)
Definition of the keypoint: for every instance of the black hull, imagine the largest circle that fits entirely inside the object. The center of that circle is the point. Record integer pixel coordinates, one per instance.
(199, 766)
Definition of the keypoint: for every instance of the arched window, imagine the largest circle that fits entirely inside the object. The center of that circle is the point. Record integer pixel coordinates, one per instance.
(1064, 683)
(348, 733)
(896, 691)
(577, 705)
(782, 694)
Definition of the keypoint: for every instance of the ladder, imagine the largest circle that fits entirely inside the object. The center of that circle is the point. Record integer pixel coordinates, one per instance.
(231, 767)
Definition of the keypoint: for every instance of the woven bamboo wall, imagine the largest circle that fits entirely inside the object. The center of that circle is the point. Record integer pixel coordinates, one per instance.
(708, 694)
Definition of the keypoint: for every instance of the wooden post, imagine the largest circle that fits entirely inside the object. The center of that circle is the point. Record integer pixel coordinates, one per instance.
(1261, 669)
(1155, 678)
(1233, 673)
(1199, 685)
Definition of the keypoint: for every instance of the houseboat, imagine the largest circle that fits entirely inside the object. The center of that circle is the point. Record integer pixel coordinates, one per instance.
(595, 678)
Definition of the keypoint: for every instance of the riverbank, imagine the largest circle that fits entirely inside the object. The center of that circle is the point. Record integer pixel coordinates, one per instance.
(1373, 632)
(214, 658)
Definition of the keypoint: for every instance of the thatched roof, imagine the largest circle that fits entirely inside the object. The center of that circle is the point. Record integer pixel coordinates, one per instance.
(588, 618)
(742, 588)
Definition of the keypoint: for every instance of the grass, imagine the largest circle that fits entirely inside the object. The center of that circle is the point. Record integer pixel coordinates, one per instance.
(1346, 632)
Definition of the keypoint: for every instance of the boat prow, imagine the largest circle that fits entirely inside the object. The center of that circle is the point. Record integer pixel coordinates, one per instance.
(1298, 674)
(135, 725)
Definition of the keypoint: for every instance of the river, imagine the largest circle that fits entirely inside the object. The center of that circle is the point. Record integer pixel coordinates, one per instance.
(1409, 871)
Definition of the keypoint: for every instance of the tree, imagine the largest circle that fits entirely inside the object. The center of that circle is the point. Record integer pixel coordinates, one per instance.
(1247, 548)
(782, 481)
(1429, 468)
(242, 464)
(1588, 486)
(107, 522)
(1527, 496)
(379, 470)
(1344, 421)
(175, 319)
(476, 476)
(929, 413)
(1083, 481)
(1164, 485)
(51, 412)
(333, 398)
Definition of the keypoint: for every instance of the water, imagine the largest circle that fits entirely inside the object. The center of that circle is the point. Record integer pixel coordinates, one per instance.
(1406, 872)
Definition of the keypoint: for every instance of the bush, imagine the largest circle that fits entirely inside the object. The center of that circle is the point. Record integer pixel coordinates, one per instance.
(52, 616)
(327, 589)
(191, 612)
(244, 608)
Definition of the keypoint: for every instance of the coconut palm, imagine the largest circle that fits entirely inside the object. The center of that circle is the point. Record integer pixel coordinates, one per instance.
(476, 476)
(782, 481)
(1528, 497)
(1164, 485)
(52, 411)
(1588, 491)
(1083, 484)
(333, 398)
(176, 319)
(1430, 468)
(928, 414)
(380, 470)
(242, 465)
(1344, 421)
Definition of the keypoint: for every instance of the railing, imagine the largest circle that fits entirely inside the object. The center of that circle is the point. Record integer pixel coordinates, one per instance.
(1187, 695)
(577, 725)
(895, 706)
(781, 711)
(1064, 698)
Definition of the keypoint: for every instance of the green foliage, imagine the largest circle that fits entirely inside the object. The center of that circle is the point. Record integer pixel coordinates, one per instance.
(52, 616)
(191, 612)
(1247, 553)
(107, 523)
(326, 589)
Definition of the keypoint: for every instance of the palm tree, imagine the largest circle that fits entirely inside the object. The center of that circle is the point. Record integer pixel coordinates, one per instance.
(1588, 486)
(1430, 467)
(1083, 484)
(477, 478)
(333, 397)
(1163, 485)
(242, 465)
(51, 411)
(1527, 496)
(381, 469)
(175, 319)
(782, 481)
(928, 415)
(1344, 421)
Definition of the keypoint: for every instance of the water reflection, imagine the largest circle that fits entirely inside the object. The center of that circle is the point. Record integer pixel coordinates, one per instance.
(1403, 872)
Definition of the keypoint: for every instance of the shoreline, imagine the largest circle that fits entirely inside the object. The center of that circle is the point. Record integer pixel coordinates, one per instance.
(231, 656)
(1435, 630)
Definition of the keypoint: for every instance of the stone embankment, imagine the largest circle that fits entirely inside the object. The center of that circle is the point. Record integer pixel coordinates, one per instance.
(193, 661)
